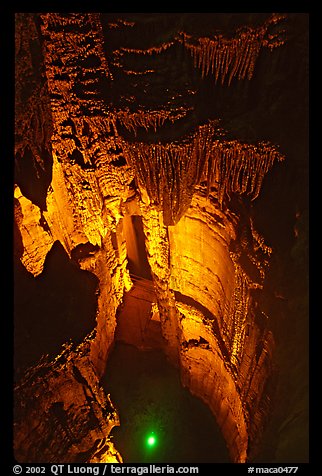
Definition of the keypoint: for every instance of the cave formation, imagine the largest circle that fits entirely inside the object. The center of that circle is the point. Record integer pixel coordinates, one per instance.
(161, 171)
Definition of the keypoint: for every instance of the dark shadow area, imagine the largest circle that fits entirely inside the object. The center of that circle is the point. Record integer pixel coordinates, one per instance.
(135, 243)
(32, 178)
(281, 215)
(286, 301)
(55, 307)
(149, 397)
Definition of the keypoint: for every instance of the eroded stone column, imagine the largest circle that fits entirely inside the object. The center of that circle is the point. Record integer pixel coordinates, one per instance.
(158, 252)
(216, 260)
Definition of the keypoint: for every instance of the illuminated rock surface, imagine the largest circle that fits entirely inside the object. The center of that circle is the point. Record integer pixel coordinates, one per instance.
(71, 416)
(145, 144)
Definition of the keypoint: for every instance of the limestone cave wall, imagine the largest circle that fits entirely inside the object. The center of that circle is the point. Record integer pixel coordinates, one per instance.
(118, 115)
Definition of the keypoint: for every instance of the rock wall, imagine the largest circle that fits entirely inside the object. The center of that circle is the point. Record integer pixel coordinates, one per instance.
(223, 352)
(206, 372)
(158, 252)
(69, 393)
(70, 418)
(201, 266)
(81, 209)
(94, 244)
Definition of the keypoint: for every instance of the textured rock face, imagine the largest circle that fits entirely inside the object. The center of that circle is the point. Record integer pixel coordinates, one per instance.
(212, 324)
(104, 151)
(206, 373)
(203, 271)
(201, 266)
(70, 418)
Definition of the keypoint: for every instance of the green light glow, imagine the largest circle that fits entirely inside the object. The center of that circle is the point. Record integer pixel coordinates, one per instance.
(151, 440)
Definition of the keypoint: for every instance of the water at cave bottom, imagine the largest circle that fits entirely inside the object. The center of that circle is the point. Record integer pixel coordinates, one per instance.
(161, 422)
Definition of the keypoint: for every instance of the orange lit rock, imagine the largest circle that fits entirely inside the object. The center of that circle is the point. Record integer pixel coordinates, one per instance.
(206, 372)
(71, 417)
(109, 296)
(233, 57)
(36, 239)
(158, 252)
(218, 330)
(107, 454)
(201, 267)
(33, 114)
(170, 172)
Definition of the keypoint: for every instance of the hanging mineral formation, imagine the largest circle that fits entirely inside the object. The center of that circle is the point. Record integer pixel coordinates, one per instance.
(237, 167)
(169, 172)
(150, 51)
(148, 119)
(227, 58)
(223, 57)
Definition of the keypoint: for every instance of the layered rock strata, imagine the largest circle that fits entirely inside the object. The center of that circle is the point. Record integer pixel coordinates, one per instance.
(218, 340)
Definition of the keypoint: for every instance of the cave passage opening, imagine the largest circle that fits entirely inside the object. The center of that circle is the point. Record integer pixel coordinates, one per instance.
(138, 264)
(151, 402)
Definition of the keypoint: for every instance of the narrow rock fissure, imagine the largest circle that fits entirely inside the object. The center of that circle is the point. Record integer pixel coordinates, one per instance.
(138, 264)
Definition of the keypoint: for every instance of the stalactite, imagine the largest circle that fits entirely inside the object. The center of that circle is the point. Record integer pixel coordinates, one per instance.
(64, 48)
(261, 252)
(259, 242)
(120, 23)
(148, 119)
(104, 126)
(223, 57)
(226, 58)
(130, 72)
(239, 167)
(149, 51)
(169, 172)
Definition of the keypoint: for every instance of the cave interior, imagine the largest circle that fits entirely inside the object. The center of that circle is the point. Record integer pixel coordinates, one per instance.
(161, 238)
